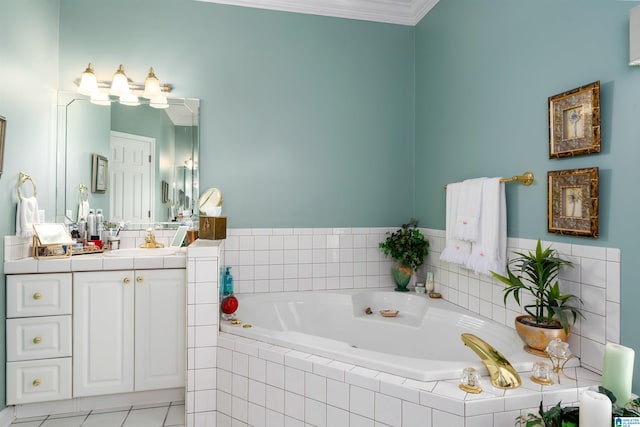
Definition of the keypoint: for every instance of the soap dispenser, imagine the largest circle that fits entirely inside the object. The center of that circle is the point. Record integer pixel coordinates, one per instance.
(227, 282)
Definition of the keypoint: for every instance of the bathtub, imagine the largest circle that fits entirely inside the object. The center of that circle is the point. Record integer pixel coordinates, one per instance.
(422, 342)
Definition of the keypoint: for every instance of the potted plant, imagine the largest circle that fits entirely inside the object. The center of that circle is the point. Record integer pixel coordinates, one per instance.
(569, 416)
(409, 248)
(552, 313)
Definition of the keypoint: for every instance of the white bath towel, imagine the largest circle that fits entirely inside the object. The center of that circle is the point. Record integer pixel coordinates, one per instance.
(489, 252)
(83, 209)
(468, 218)
(455, 251)
(26, 216)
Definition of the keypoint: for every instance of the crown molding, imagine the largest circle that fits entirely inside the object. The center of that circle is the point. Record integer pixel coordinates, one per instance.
(402, 12)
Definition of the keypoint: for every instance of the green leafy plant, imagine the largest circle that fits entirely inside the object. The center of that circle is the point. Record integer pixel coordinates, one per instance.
(406, 245)
(537, 273)
(569, 416)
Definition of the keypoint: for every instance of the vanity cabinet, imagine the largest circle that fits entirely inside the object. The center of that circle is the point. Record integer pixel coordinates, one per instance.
(129, 331)
(39, 310)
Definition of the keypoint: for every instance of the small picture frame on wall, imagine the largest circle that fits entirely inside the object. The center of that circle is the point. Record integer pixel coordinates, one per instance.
(99, 174)
(574, 122)
(3, 132)
(573, 202)
(165, 191)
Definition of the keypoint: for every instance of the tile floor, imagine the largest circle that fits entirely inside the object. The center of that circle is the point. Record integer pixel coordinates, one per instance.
(160, 415)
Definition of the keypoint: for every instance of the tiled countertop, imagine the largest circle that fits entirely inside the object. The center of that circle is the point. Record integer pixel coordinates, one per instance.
(93, 262)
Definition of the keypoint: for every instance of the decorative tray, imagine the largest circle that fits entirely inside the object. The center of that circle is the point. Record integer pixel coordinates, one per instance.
(83, 252)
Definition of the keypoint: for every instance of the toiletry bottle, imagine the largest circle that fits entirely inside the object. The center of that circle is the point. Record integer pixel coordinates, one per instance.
(91, 224)
(99, 224)
(82, 227)
(227, 283)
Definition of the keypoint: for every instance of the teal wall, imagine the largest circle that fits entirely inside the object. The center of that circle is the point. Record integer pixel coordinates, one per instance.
(484, 71)
(28, 84)
(305, 120)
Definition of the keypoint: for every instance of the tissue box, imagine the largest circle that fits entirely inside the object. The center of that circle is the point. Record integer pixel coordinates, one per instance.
(213, 227)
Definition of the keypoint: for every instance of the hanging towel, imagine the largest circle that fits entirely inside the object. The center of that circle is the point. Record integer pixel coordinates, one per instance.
(489, 252)
(26, 216)
(456, 251)
(83, 209)
(467, 220)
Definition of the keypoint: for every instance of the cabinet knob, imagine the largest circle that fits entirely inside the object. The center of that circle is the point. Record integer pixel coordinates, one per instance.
(37, 340)
(126, 280)
(37, 295)
(139, 279)
(36, 382)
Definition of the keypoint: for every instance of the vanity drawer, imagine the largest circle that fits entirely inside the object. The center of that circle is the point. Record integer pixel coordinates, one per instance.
(38, 380)
(38, 338)
(38, 294)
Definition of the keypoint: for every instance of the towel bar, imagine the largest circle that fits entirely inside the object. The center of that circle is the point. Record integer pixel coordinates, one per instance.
(525, 179)
(22, 178)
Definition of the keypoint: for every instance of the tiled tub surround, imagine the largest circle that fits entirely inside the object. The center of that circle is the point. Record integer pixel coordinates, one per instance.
(302, 259)
(259, 384)
(268, 260)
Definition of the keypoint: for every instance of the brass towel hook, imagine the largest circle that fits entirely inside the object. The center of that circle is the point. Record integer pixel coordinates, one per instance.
(22, 178)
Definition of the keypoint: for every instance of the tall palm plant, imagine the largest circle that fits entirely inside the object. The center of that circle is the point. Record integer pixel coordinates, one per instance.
(537, 273)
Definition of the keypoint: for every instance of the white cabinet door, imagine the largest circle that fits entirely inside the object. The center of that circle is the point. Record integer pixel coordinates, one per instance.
(160, 321)
(103, 304)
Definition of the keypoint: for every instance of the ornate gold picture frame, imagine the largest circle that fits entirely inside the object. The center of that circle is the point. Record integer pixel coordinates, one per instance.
(574, 122)
(573, 202)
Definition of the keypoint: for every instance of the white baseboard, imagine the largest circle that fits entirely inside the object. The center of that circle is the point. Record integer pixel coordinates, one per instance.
(81, 404)
(7, 416)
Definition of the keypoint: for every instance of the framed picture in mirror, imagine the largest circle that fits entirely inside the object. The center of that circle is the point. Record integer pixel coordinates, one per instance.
(3, 132)
(99, 174)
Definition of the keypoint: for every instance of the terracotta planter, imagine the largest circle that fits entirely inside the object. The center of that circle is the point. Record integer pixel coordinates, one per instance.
(402, 277)
(536, 338)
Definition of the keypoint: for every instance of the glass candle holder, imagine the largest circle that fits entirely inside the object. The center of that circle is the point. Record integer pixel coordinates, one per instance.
(429, 284)
(470, 381)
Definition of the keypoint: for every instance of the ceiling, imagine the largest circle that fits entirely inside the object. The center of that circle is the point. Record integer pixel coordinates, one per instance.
(404, 12)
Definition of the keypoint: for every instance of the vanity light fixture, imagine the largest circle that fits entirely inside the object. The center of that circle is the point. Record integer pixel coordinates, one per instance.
(124, 88)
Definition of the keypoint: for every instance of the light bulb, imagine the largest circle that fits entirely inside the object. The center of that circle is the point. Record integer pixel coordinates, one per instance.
(88, 82)
(151, 86)
(120, 83)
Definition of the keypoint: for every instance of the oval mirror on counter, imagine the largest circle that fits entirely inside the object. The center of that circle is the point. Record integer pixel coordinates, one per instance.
(151, 159)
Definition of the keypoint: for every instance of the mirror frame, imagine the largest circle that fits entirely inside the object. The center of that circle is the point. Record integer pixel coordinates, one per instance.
(64, 100)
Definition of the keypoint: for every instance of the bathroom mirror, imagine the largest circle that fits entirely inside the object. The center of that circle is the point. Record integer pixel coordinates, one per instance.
(152, 159)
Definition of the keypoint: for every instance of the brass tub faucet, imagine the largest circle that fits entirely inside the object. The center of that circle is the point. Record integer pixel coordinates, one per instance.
(502, 374)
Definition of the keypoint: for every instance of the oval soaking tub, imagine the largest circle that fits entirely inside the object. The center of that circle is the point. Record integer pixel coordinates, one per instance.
(422, 342)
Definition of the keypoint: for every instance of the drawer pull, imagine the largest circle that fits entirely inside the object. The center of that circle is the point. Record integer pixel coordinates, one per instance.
(126, 280)
(37, 295)
(37, 340)
(139, 279)
(36, 382)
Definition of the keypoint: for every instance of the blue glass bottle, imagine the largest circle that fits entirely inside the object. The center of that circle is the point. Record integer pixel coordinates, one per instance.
(227, 283)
